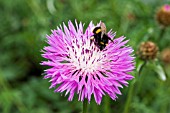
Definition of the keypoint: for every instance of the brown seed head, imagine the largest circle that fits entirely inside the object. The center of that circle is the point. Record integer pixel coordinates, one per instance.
(163, 15)
(147, 50)
(165, 55)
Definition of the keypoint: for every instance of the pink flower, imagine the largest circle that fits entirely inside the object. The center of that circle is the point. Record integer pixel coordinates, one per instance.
(163, 15)
(166, 7)
(76, 66)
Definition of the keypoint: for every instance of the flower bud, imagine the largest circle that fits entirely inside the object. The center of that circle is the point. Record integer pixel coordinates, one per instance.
(163, 15)
(147, 50)
(165, 55)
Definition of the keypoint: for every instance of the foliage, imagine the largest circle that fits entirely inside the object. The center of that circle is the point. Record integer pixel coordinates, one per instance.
(23, 27)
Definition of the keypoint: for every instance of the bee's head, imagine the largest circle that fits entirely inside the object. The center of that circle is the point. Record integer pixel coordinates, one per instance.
(97, 30)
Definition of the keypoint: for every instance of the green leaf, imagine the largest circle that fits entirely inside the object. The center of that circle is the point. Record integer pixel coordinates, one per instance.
(155, 65)
(160, 71)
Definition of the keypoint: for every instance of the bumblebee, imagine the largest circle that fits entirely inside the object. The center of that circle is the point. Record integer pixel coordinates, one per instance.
(100, 37)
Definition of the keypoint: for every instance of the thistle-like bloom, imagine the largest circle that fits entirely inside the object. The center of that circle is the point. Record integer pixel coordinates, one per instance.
(78, 66)
(163, 15)
(147, 50)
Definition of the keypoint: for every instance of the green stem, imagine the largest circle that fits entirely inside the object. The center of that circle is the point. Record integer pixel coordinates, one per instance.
(139, 82)
(85, 106)
(94, 107)
(164, 108)
(106, 104)
(129, 98)
(131, 88)
(141, 68)
(162, 32)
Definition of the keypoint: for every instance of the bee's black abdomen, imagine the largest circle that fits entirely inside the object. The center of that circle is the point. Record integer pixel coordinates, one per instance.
(105, 39)
(102, 47)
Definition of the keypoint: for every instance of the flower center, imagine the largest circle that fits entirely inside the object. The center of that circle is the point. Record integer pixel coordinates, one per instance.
(85, 56)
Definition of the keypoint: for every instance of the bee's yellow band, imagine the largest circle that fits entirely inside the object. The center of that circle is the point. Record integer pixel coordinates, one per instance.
(98, 31)
(102, 43)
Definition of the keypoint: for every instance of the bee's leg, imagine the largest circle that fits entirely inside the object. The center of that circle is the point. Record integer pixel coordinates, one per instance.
(91, 39)
(110, 39)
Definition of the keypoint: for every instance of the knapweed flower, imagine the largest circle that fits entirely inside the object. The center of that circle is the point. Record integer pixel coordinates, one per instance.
(78, 66)
(163, 15)
(147, 50)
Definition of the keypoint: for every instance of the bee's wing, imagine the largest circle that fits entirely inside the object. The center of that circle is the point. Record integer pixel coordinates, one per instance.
(103, 27)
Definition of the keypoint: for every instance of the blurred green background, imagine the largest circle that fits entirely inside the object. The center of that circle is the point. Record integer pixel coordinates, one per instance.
(23, 28)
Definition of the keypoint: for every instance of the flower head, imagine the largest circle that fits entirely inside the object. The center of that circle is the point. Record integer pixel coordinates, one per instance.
(147, 50)
(163, 15)
(77, 66)
(165, 55)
